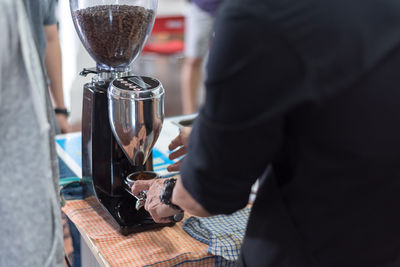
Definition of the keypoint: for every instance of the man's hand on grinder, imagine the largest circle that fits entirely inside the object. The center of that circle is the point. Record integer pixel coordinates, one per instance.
(179, 142)
(161, 213)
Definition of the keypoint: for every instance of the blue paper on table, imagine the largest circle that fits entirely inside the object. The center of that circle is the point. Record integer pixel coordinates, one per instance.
(223, 233)
(69, 150)
(64, 170)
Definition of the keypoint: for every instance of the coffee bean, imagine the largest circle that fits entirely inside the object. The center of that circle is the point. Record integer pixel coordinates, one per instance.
(113, 34)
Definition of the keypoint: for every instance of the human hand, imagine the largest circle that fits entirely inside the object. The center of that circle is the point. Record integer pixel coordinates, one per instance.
(180, 141)
(63, 123)
(161, 213)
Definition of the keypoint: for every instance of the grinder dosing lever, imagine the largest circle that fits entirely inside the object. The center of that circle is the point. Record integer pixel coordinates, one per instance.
(141, 197)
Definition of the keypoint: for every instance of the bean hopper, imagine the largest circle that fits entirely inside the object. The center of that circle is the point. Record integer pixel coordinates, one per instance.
(122, 113)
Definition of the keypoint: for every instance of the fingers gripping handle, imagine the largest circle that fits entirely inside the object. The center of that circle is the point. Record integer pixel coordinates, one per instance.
(141, 197)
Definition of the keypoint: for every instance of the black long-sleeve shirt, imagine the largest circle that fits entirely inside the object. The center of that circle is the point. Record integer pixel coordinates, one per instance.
(310, 88)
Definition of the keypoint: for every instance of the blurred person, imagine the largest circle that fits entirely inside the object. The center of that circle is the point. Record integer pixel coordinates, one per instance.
(42, 14)
(199, 22)
(30, 225)
(44, 24)
(303, 94)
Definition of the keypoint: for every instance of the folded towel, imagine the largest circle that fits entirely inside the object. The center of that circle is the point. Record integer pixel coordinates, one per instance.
(223, 233)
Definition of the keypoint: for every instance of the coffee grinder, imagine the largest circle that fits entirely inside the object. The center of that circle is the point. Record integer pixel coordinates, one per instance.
(122, 113)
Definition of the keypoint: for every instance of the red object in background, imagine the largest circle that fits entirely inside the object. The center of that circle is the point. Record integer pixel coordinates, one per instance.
(171, 25)
(165, 48)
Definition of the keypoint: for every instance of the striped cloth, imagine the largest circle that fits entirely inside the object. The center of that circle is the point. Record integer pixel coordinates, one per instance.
(162, 247)
(223, 233)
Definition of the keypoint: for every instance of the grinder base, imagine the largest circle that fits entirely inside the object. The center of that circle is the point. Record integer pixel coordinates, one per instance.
(123, 212)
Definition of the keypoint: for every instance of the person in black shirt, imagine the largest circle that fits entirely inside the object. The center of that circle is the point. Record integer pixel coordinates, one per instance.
(304, 94)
